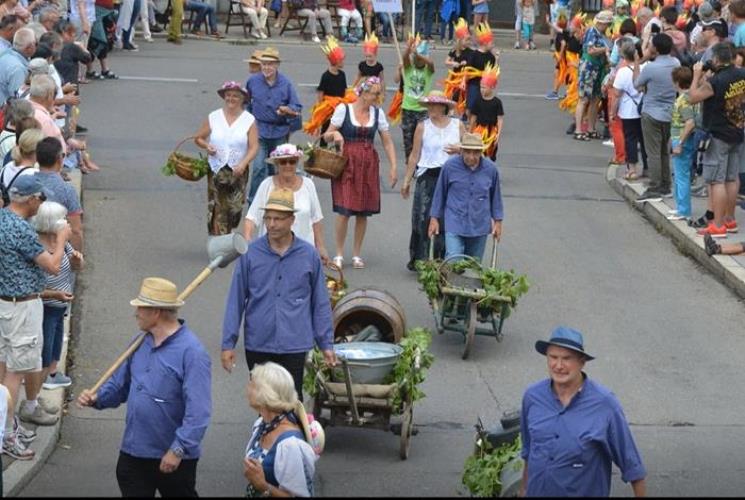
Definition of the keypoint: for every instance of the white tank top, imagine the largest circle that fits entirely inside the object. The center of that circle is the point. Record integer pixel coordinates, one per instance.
(230, 140)
(434, 141)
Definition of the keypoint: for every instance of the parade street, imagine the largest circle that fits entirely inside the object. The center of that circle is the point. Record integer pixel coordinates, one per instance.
(667, 336)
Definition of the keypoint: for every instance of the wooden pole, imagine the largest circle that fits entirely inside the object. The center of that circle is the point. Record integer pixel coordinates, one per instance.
(133, 347)
(395, 39)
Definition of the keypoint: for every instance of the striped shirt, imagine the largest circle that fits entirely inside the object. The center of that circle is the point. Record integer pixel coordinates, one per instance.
(62, 281)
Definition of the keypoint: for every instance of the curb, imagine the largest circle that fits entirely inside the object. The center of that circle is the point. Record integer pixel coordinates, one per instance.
(19, 473)
(723, 267)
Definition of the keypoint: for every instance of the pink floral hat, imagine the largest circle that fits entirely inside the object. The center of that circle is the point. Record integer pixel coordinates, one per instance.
(231, 85)
(286, 150)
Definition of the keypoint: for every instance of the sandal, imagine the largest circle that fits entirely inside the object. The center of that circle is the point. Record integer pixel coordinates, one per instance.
(579, 136)
(593, 135)
(93, 75)
(109, 75)
(358, 263)
(338, 261)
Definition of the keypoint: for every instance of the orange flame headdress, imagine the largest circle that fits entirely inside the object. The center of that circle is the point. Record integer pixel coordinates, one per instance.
(370, 45)
(579, 20)
(490, 76)
(635, 5)
(461, 29)
(483, 34)
(334, 53)
(682, 21)
(688, 5)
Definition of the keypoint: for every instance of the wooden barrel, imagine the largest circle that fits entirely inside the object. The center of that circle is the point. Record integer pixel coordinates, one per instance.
(370, 306)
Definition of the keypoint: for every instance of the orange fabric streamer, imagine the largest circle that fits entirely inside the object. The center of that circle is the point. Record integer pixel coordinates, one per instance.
(394, 109)
(560, 76)
(488, 135)
(323, 110)
(569, 103)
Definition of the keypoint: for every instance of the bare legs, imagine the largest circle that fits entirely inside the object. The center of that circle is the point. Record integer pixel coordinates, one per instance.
(360, 227)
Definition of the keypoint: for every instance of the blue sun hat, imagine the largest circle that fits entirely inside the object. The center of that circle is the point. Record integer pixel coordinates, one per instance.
(565, 337)
(422, 48)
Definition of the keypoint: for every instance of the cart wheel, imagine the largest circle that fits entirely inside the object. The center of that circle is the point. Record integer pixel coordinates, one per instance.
(407, 424)
(471, 331)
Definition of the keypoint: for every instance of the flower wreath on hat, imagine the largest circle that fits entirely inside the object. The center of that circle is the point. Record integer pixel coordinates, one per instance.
(286, 151)
(366, 84)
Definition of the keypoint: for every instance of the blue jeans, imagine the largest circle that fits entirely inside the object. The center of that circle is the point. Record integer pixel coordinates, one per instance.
(465, 245)
(260, 169)
(53, 330)
(682, 173)
(447, 24)
(135, 14)
(385, 23)
(429, 17)
(203, 10)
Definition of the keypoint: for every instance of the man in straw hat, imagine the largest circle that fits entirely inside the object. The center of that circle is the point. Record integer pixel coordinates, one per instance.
(469, 198)
(273, 101)
(279, 292)
(572, 428)
(166, 384)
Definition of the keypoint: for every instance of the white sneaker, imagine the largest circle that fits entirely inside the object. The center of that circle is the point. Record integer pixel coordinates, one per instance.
(608, 143)
(316, 39)
(672, 211)
(263, 34)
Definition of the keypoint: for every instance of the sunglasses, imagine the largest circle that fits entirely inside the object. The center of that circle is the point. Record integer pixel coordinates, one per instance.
(287, 161)
(42, 197)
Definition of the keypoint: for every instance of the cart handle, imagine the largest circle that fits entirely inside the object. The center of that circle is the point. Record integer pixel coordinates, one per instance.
(494, 254)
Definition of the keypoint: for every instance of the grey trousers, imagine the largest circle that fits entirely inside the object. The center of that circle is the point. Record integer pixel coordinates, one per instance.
(656, 142)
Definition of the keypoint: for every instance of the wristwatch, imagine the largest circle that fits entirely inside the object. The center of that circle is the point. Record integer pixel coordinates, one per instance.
(178, 451)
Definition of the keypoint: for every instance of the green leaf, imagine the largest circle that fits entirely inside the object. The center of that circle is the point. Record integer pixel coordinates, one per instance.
(481, 470)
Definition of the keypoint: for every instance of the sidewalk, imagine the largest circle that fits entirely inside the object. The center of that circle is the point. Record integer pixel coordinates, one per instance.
(18, 473)
(728, 269)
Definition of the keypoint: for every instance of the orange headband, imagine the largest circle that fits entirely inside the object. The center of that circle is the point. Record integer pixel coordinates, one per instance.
(490, 76)
(334, 53)
(483, 34)
(461, 29)
(370, 45)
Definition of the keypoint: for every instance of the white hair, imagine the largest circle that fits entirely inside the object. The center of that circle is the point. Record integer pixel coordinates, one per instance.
(42, 86)
(37, 28)
(23, 38)
(19, 198)
(45, 220)
(274, 388)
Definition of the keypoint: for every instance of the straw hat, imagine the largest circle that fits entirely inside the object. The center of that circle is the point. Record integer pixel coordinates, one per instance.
(280, 200)
(604, 17)
(437, 97)
(270, 54)
(314, 434)
(472, 141)
(231, 85)
(284, 151)
(157, 292)
(255, 57)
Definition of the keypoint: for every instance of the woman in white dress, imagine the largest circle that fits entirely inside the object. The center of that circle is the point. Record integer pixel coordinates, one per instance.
(231, 139)
(308, 213)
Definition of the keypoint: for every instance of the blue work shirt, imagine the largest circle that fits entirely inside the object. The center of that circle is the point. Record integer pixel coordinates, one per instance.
(167, 391)
(13, 71)
(467, 198)
(19, 274)
(282, 299)
(264, 100)
(568, 450)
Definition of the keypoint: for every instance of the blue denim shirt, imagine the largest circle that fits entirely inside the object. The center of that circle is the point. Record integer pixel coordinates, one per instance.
(569, 450)
(467, 198)
(282, 299)
(168, 394)
(19, 246)
(264, 101)
(13, 70)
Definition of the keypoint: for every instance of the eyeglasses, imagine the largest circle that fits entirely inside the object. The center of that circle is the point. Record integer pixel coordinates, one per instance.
(287, 161)
(42, 197)
(269, 219)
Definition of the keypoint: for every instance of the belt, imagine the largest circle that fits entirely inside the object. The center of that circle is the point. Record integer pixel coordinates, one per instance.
(20, 299)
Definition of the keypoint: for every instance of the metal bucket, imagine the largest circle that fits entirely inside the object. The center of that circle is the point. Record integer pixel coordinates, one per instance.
(370, 306)
(369, 362)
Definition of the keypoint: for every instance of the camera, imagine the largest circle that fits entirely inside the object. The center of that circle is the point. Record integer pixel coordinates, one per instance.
(708, 66)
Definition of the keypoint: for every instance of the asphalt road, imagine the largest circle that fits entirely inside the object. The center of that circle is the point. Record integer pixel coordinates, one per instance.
(666, 335)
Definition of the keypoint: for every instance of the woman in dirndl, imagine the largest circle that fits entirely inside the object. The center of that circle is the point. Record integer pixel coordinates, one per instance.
(357, 191)
(231, 139)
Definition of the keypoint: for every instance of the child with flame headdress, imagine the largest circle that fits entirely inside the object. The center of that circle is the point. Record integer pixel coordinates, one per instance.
(370, 66)
(477, 61)
(486, 115)
(563, 35)
(332, 89)
(572, 56)
(454, 85)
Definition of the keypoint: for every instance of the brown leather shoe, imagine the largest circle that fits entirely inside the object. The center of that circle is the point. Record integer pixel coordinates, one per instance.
(217, 34)
(177, 41)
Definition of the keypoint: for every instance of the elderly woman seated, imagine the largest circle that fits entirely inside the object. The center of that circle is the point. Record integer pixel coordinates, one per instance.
(279, 462)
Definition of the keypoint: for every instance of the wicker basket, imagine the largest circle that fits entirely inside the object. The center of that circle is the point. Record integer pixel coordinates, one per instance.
(325, 163)
(184, 165)
(338, 283)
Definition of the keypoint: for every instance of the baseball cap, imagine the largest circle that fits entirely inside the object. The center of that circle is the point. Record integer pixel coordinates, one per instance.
(27, 185)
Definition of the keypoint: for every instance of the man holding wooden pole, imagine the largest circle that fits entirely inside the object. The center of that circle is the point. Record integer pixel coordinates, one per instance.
(166, 384)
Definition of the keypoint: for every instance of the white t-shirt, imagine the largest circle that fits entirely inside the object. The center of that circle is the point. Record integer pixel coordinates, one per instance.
(630, 97)
(306, 203)
(9, 171)
(337, 119)
(231, 141)
(7, 142)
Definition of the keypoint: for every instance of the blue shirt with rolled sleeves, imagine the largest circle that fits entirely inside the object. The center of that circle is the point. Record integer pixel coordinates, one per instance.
(168, 394)
(468, 198)
(282, 300)
(569, 450)
(265, 99)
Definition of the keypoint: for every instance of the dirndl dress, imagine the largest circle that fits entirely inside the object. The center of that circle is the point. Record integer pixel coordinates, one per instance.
(357, 190)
